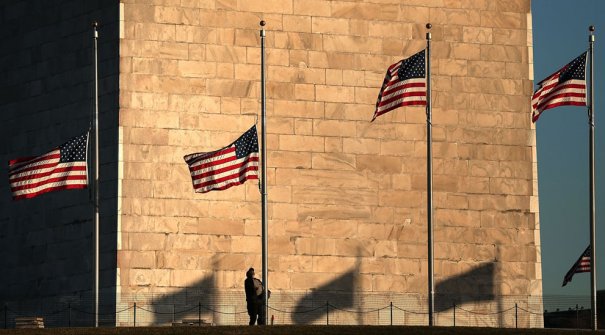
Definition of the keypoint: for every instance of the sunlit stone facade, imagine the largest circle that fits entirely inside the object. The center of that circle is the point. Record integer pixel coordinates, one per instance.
(347, 198)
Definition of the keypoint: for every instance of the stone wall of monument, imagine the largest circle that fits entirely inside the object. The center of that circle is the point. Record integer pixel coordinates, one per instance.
(46, 250)
(347, 198)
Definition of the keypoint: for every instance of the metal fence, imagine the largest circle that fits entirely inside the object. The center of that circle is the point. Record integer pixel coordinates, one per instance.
(198, 309)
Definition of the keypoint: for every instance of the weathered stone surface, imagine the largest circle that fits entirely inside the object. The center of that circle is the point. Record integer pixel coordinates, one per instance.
(345, 195)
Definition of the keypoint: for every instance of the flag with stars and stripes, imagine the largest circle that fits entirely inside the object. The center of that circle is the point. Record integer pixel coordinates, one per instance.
(564, 87)
(226, 167)
(581, 265)
(59, 169)
(404, 85)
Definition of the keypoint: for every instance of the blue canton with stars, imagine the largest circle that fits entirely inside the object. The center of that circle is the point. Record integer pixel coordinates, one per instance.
(412, 67)
(74, 150)
(576, 69)
(247, 143)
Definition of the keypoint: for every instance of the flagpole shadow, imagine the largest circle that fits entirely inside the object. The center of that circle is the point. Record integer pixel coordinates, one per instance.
(476, 285)
(192, 303)
(336, 294)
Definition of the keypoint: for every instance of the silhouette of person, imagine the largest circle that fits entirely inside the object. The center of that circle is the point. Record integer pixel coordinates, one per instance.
(255, 298)
(252, 301)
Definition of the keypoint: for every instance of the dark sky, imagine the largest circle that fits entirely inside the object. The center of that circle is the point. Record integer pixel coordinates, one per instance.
(560, 33)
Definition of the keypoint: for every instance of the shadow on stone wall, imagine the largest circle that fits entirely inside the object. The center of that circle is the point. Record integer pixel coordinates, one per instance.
(339, 293)
(186, 304)
(475, 285)
(196, 301)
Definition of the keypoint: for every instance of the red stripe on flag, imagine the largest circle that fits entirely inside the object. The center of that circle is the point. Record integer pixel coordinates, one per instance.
(225, 169)
(62, 187)
(239, 173)
(47, 181)
(34, 175)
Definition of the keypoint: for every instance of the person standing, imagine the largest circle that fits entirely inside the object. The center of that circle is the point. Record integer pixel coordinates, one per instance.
(252, 301)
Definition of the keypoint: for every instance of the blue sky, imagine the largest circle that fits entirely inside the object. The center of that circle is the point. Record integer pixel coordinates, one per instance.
(560, 33)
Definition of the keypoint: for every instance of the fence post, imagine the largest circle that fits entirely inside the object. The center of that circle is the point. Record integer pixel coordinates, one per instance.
(69, 314)
(173, 313)
(516, 316)
(454, 314)
(135, 315)
(199, 313)
(327, 313)
(391, 313)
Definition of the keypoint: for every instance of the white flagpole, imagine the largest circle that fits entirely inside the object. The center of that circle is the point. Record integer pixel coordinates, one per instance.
(265, 243)
(593, 263)
(95, 234)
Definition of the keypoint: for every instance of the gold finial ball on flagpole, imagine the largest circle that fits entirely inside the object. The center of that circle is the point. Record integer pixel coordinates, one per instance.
(95, 24)
(591, 29)
(429, 26)
(262, 23)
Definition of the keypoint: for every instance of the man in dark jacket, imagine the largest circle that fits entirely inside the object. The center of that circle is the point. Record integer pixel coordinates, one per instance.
(252, 301)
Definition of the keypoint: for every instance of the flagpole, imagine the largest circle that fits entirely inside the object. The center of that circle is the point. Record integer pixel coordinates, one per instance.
(593, 262)
(95, 234)
(429, 176)
(265, 243)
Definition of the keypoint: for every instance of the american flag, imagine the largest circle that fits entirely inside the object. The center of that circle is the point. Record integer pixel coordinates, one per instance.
(581, 265)
(404, 85)
(226, 167)
(564, 87)
(59, 169)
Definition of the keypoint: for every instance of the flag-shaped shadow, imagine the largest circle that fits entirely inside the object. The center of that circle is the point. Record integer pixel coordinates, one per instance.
(339, 293)
(184, 305)
(471, 286)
